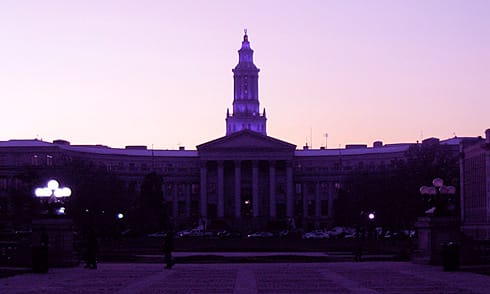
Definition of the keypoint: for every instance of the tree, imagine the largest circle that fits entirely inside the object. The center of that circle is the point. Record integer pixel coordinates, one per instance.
(393, 192)
(151, 205)
(98, 195)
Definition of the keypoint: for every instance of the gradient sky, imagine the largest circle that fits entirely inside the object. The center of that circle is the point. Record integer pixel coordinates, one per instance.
(159, 72)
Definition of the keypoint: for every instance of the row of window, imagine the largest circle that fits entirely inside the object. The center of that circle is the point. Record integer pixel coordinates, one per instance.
(40, 160)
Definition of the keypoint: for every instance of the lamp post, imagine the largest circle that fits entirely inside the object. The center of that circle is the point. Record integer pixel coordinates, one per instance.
(53, 194)
(439, 227)
(439, 197)
(59, 231)
(366, 222)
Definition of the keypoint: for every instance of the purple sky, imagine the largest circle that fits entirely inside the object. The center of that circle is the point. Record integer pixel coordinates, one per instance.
(159, 72)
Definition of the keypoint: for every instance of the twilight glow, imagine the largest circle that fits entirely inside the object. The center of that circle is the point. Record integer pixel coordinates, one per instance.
(159, 72)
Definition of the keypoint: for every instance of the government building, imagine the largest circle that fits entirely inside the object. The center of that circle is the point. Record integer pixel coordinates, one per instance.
(245, 179)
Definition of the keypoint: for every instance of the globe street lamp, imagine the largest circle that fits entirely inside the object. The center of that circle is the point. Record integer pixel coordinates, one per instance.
(439, 197)
(53, 193)
(60, 249)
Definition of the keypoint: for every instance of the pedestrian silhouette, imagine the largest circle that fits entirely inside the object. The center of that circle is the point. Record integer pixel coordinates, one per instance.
(359, 245)
(92, 248)
(43, 251)
(168, 247)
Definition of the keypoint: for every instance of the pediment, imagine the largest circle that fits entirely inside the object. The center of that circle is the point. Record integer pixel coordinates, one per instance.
(246, 140)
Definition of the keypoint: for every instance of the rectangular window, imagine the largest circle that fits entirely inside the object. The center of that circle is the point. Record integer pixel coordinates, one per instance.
(180, 189)
(324, 187)
(168, 188)
(212, 210)
(311, 207)
(311, 188)
(194, 189)
(3, 184)
(181, 208)
(280, 190)
(298, 207)
(49, 160)
(35, 160)
(324, 207)
(281, 210)
(299, 188)
(195, 208)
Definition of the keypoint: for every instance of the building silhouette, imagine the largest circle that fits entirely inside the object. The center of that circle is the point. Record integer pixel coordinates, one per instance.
(246, 179)
(475, 188)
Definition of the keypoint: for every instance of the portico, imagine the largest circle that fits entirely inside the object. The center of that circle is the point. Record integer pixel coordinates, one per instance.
(240, 175)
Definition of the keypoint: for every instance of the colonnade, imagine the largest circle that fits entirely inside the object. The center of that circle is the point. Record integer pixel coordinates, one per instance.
(238, 189)
(286, 199)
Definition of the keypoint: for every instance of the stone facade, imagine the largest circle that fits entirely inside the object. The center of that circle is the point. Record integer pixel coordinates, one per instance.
(475, 192)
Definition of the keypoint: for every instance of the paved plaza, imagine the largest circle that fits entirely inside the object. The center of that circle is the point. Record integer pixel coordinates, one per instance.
(336, 277)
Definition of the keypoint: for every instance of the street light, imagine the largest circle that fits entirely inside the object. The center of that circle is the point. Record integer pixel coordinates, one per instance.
(54, 194)
(439, 197)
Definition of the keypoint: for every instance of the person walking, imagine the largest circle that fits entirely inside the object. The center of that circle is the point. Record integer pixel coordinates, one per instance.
(44, 251)
(92, 248)
(168, 247)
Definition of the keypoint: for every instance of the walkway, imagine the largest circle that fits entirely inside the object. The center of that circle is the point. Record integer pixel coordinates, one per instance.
(337, 277)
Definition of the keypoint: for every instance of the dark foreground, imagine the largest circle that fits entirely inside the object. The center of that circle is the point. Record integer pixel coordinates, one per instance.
(340, 277)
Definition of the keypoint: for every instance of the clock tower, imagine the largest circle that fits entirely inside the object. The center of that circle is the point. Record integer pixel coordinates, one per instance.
(246, 112)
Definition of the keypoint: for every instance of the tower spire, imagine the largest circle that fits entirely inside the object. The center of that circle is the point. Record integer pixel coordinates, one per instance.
(246, 112)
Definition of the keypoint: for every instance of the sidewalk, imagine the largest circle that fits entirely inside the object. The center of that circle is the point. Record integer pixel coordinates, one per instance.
(339, 277)
(261, 257)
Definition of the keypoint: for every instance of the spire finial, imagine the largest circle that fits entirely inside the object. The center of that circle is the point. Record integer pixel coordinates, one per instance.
(245, 37)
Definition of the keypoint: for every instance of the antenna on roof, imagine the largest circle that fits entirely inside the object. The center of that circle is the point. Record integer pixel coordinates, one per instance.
(311, 137)
(326, 139)
(152, 159)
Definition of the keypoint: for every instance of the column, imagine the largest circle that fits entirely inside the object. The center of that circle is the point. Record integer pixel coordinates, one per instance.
(238, 179)
(221, 189)
(318, 202)
(331, 197)
(289, 195)
(304, 192)
(187, 196)
(272, 189)
(255, 188)
(204, 190)
(175, 202)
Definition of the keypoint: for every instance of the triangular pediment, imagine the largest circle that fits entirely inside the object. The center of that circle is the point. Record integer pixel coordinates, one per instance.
(246, 140)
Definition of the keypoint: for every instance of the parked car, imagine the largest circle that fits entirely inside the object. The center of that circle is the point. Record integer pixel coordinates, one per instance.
(260, 235)
(190, 233)
(316, 235)
(337, 232)
(283, 233)
(161, 234)
(229, 234)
